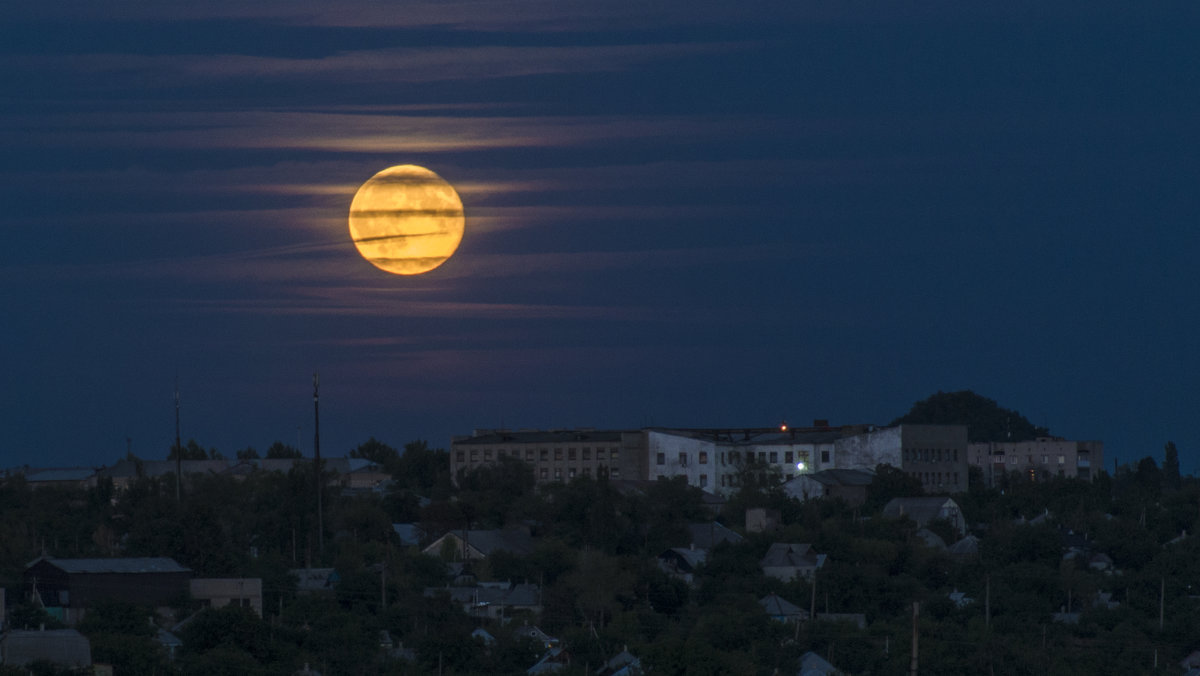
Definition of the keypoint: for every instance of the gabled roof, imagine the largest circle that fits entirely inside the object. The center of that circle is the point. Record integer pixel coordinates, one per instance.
(779, 607)
(711, 534)
(409, 533)
(920, 510)
(790, 555)
(623, 664)
(841, 477)
(685, 558)
(812, 664)
(160, 564)
(513, 540)
(65, 647)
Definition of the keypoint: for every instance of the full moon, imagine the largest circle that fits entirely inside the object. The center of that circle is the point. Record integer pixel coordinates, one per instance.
(406, 220)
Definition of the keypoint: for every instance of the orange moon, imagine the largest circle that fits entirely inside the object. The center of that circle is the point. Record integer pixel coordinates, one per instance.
(406, 220)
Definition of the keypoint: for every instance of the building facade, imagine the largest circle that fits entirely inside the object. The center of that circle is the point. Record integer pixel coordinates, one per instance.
(555, 455)
(1038, 460)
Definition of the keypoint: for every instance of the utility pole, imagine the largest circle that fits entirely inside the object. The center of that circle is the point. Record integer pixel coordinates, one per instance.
(178, 449)
(1162, 599)
(987, 603)
(912, 666)
(317, 464)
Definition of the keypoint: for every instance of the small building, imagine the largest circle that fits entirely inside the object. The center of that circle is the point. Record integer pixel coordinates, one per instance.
(926, 509)
(623, 663)
(708, 535)
(682, 562)
(67, 587)
(493, 600)
(467, 545)
(221, 592)
(555, 659)
(812, 664)
(789, 561)
(849, 485)
(782, 610)
(64, 648)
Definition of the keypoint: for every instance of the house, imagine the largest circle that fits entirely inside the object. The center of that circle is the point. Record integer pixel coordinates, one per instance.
(221, 592)
(410, 534)
(555, 659)
(849, 485)
(67, 477)
(812, 664)
(67, 587)
(960, 599)
(535, 633)
(682, 562)
(623, 664)
(170, 642)
(314, 580)
(781, 610)
(924, 510)
(787, 561)
(64, 648)
(708, 535)
(460, 545)
(493, 600)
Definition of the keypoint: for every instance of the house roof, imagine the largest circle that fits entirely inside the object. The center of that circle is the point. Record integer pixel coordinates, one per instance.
(791, 555)
(779, 607)
(513, 540)
(61, 646)
(690, 558)
(920, 510)
(965, 547)
(842, 477)
(160, 564)
(622, 664)
(711, 534)
(812, 664)
(410, 533)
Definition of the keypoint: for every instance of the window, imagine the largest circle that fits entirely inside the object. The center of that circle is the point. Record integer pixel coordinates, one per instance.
(543, 473)
(774, 456)
(1062, 459)
(789, 457)
(502, 454)
(614, 454)
(587, 453)
(762, 456)
(529, 454)
(571, 473)
(599, 453)
(557, 473)
(1045, 459)
(587, 471)
(460, 456)
(703, 457)
(683, 459)
(1012, 460)
(956, 455)
(544, 454)
(487, 455)
(558, 454)
(615, 472)
(571, 454)
(824, 456)
(662, 458)
(474, 455)
(703, 480)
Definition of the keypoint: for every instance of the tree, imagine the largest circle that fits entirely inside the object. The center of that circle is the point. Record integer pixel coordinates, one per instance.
(247, 453)
(280, 450)
(377, 452)
(1170, 468)
(984, 418)
(191, 451)
(889, 483)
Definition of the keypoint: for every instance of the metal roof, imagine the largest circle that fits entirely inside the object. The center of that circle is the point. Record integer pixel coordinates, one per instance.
(542, 437)
(160, 564)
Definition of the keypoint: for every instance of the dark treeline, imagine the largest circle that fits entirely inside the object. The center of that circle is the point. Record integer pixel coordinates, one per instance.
(602, 590)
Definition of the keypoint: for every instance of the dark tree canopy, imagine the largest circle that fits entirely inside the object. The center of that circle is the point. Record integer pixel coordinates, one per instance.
(985, 419)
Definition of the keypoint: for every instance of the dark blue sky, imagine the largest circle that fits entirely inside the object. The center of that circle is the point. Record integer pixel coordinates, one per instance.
(678, 214)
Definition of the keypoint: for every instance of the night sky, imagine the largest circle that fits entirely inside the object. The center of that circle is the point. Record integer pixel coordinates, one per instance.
(678, 214)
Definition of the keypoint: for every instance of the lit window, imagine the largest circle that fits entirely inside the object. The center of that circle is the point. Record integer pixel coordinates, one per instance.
(1062, 459)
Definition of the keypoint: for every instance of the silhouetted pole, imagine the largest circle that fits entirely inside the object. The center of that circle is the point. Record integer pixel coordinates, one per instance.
(1162, 600)
(317, 464)
(912, 666)
(178, 449)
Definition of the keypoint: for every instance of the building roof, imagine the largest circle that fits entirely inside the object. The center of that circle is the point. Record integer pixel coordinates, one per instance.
(59, 474)
(790, 555)
(812, 664)
(514, 540)
(409, 533)
(920, 510)
(690, 558)
(158, 564)
(771, 436)
(779, 607)
(315, 579)
(65, 647)
(710, 534)
(482, 437)
(842, 477)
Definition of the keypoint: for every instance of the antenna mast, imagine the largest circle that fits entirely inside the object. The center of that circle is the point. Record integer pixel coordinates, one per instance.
(317, 463)
(178, 448)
